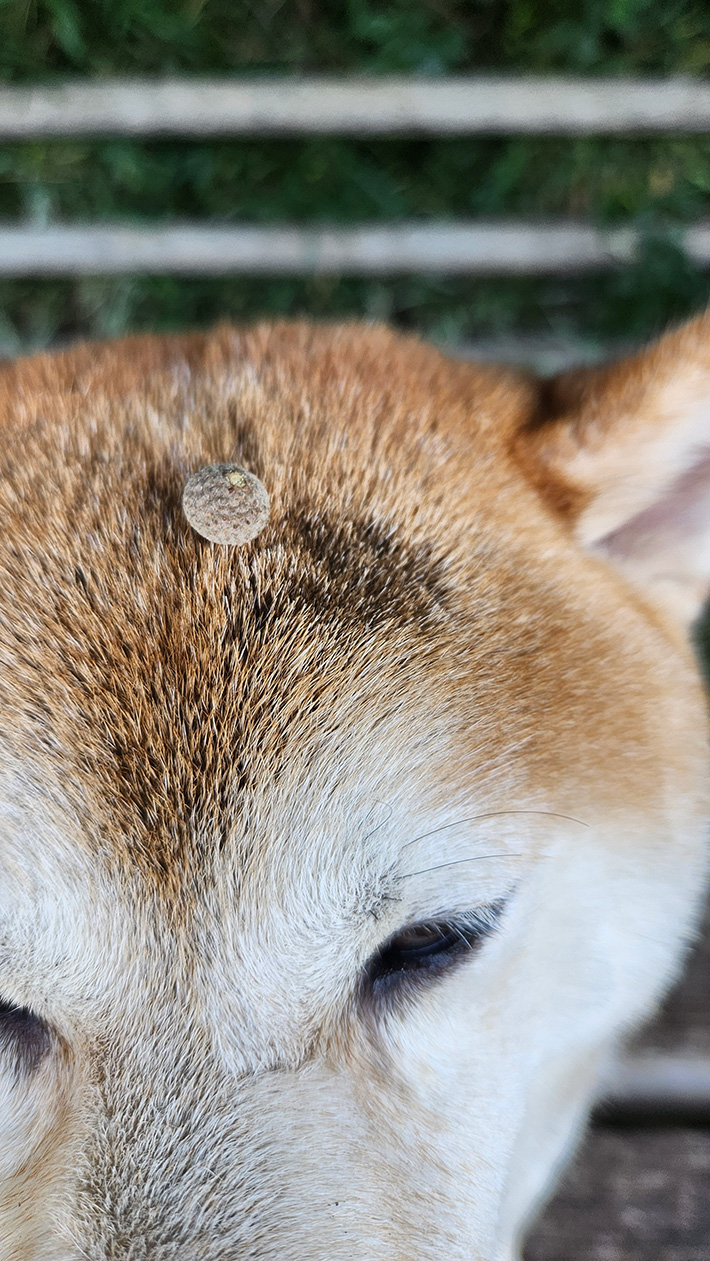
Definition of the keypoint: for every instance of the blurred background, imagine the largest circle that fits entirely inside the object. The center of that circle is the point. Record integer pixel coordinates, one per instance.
(632, 184)
(655, 183)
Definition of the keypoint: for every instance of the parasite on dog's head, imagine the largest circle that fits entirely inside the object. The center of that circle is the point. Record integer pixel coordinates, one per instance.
(226, 504)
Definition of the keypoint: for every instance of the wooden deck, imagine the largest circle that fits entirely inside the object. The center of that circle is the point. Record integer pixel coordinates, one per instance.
(641, 1191)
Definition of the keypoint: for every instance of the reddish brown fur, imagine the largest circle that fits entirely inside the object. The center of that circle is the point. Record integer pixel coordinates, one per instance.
(140, 661)
(599, 407)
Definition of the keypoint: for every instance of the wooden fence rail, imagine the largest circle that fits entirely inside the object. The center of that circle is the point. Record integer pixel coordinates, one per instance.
(474, 248)
(653, 1084)
(355, 106)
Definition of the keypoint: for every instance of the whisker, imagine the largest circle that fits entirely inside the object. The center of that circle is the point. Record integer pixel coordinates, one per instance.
(382, 822)
(456, 862)
(492, 814)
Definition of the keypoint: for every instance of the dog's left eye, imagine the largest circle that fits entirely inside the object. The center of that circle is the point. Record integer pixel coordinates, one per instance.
(423, 951)
(24, 1037)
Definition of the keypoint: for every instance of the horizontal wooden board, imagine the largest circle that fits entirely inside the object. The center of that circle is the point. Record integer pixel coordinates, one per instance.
(632, 1195)
(389, 105)
(656, 1087)
(460, 248)
(544, 353)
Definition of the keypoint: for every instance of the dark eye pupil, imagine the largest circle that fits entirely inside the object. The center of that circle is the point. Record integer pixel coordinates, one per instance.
(23, 1036)
(423, 940)
(421, 948)
(426, 950)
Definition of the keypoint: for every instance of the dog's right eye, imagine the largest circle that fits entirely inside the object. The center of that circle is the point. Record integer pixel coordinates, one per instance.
(24, 1037)
(421, 952)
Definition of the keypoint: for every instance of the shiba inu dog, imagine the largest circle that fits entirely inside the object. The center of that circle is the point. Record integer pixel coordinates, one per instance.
(335, 863)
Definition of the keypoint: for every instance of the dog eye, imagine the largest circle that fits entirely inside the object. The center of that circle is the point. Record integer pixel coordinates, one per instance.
(24, 1037)
(424, 951)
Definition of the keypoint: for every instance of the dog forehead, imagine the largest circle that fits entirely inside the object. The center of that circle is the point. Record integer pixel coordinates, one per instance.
(165, 683)
(390, 627)
(407, 597)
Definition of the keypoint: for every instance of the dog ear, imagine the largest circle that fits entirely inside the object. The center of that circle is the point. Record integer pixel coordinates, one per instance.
(623, 452)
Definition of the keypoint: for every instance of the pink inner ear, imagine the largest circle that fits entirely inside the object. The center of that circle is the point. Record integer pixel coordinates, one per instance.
(675, 529)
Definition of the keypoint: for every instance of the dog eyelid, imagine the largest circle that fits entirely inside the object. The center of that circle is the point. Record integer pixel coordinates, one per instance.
(424, 951)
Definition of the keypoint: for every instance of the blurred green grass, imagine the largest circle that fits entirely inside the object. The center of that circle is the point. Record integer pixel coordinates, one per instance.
(656, 184)
(49, 37)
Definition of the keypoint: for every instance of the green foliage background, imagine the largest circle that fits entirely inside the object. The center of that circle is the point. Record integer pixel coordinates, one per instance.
(657, 183)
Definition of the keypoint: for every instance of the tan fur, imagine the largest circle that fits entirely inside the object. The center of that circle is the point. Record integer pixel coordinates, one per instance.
(447, 672)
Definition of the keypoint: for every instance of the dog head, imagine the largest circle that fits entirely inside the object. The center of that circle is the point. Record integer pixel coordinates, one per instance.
(334, 864)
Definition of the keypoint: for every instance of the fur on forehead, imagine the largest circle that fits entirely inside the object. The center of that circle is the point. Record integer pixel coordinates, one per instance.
(145, 661)
(173, 693)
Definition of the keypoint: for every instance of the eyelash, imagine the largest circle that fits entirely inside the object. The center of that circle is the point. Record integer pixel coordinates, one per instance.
(425, 951)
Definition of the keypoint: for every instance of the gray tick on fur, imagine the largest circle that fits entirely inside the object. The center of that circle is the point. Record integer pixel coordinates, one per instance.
(226, 504)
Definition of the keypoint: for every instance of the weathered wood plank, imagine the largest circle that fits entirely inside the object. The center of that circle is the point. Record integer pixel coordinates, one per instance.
(357, 106)
(473, 248)
(653, 1086)
(543, 353)
(632, 1195)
